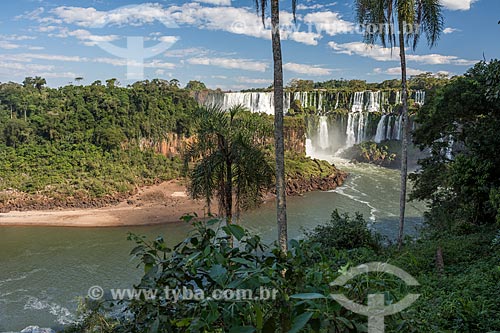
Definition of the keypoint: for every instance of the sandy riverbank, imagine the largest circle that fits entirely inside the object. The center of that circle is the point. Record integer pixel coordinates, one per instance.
(162, 203)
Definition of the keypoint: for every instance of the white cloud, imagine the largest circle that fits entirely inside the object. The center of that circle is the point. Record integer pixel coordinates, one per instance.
(181, 53)
(51, 75)
(29, 68)
(309, 7)
(16, 37)
(244, 79)
(306, 69)
(217, 2)
(386, 54)
(47, 28)
(409, 71)
(168, 39)
(457, 4)
(243, 21)
(8, 45)
(29, 57)
(329, 22)
(397, 71)
(231, 63)
(85, 36)
(449, 30)
(134, 15)
(160, 72)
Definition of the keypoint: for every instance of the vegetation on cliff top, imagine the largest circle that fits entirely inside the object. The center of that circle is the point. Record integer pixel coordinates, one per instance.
(98, 140)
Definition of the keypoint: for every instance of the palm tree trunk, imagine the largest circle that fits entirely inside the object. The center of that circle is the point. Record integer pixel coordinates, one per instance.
(404, 143)
(278, 128)
(229, 191)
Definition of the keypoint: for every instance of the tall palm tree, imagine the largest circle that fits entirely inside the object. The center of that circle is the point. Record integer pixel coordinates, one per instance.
(413, 18)
(229, 162)
(279, 140)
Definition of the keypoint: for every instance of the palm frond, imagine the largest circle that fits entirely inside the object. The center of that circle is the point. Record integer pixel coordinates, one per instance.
(432, 21)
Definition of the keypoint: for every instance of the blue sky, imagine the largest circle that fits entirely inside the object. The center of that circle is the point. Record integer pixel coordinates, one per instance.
(222, 42)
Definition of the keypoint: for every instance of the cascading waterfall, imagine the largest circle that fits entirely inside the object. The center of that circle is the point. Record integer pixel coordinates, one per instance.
(323, 132)
(361, 127)
(357, 104)
(398, 127)
(389, 129)
(309, 147)
(336, 130)
(419, 97)
(374, 101)
(381, 129)
(398, 98)
(351, 138)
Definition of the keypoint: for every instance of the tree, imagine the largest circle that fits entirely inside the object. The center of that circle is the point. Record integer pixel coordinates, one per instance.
(413, 18)
(228, 160)
(461, 182)
(279, 140)
(301, 85)
(195, 85)
(39, 83)
(111, 83)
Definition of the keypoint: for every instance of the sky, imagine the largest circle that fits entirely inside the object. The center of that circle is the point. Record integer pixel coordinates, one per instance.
(223, 43)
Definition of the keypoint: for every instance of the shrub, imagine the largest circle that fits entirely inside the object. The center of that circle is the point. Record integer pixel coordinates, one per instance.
(345, 232)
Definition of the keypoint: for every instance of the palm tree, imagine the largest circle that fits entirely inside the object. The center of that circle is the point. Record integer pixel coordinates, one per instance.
(279, 140)
(413, 18)
(39, 83)
(229, 163)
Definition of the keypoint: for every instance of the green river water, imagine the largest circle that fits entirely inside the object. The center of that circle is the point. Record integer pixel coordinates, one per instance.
(44, 270)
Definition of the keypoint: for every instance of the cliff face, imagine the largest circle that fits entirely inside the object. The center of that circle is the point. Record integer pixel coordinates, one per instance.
(174, 145)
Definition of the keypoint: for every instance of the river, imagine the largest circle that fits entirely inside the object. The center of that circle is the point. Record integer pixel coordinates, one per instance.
(45, 270)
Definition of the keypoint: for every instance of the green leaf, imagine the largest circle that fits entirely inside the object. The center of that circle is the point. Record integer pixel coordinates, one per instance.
(300, 321)
(235, 230)
(218, 273)
(243, 261)
(346, 322)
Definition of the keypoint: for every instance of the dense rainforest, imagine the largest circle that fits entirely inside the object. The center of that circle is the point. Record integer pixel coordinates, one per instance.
(88, 141)
(87, 146)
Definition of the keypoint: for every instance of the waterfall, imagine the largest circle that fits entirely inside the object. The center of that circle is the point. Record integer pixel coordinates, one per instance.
(388, 136)
(381, 128)
(398, 127)
(309, 148)
(259, 102)
(339, 130)
(374, 101)
(351, 139)
(357, 103)
(398, 98)
(323, 132)
(361, 128)
(419, 97)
